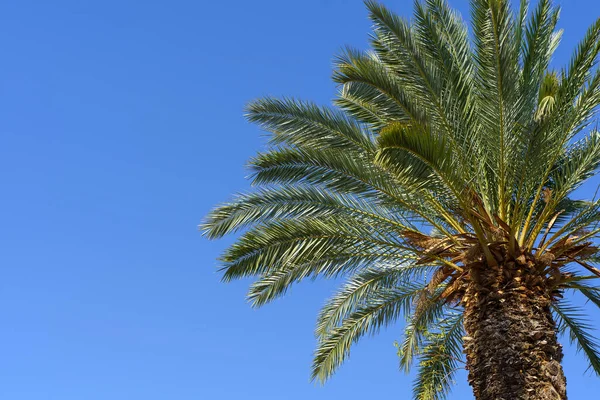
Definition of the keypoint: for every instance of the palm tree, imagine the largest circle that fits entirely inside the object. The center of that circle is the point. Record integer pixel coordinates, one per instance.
(439, 186)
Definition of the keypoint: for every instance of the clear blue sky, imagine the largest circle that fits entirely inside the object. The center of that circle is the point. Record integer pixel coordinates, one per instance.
(121, 126)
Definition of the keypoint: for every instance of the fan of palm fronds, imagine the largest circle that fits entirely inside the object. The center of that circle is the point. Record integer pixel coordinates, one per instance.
(442, 153)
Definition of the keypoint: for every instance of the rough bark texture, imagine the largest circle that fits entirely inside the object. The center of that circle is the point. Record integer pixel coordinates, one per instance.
(512, 349)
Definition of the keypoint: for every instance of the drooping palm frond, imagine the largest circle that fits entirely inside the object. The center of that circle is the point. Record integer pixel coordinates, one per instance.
(380, 309)
(427, 310)
(573, 320)
(444, 154)
(359, 289)
(440, 359)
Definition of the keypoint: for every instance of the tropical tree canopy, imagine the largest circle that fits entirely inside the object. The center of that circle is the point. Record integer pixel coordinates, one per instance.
(446, 150)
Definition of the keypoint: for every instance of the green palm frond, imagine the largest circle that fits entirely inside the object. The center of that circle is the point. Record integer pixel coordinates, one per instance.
(305, 124)
(497, 85)
(443, 34)
(366, 103)
(300, 202)
(353, 67)
(379, 310)
(418, 156)
(333, 169)
(576, 103)
(440, 359)
(297, 241)
(360, 288)
(573, 319)
(540, 42)
(395, 44)
(411, 54)
(579, 163)
(580, 66)
(278, 280)
(592, 294)
(426, 311)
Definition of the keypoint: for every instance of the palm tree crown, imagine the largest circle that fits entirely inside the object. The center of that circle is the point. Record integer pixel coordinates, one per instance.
(445, 154)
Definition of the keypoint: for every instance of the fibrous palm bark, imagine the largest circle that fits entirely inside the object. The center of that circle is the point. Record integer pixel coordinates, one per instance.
(512, 347)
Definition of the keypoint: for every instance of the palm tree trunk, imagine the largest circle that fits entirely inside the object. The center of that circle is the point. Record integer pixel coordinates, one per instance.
(512, 349)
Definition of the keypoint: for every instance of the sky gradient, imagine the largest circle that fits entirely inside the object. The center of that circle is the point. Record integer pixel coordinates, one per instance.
(121, 126)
